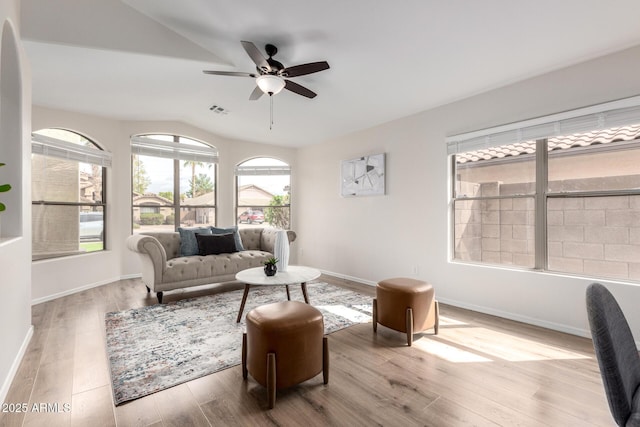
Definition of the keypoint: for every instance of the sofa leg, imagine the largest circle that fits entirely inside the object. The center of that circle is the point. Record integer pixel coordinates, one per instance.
(375, 315)
(159, 295)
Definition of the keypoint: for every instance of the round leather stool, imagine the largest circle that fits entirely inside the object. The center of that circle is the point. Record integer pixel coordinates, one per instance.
(405, 305)
(284, 345)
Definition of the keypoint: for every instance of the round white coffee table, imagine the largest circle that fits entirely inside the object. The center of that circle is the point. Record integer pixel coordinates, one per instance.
(295, 274)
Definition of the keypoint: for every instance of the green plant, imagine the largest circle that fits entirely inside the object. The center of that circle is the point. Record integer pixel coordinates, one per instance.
(278, 212)
(271, 261)
(3, 189)
(151, 218)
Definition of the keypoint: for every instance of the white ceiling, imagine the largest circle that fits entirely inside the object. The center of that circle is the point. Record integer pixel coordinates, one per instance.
(143, 59)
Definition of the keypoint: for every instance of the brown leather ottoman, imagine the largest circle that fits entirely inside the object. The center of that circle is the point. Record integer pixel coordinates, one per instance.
(284, 345)
(405, 305)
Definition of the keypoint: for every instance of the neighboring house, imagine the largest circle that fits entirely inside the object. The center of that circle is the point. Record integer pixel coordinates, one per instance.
(151, 203)
(252, 195)
(89, 184)
(196, 211)
(201, 209)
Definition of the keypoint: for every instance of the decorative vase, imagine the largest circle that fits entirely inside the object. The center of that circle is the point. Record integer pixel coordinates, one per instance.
(270, 269)
(281, 250)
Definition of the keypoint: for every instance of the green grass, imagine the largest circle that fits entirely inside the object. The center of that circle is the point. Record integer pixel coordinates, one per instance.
(91, 246)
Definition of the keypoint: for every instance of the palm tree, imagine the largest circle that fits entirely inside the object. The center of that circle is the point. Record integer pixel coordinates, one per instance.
(201, 185)
(194, 165)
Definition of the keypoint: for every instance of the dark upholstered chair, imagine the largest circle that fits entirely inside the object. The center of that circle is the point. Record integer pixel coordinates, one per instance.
(617, 355)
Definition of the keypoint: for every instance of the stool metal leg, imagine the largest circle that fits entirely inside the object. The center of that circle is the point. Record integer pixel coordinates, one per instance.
(375, 315)
(325, 360)
(244, 356)
(409, 320)
(271, 379)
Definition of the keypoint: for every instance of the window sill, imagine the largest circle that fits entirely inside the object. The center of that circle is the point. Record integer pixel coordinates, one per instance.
(5, 241)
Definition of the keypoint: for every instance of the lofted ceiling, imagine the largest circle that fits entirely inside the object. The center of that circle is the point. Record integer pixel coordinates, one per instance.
(143, 59)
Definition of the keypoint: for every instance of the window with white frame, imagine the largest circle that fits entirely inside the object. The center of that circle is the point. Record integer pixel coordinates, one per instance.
(560, 193)
(68, 191)
(263, 193)
(173, 182)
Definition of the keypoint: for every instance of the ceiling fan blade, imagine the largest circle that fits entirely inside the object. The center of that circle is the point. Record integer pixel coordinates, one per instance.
(230, 73)
(299, 89)
(256, 94)
(301, 70)
(256, 56)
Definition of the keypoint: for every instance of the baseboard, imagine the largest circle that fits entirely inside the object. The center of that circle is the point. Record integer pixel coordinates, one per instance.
(346, 277)
(486, 310)
(518, 318)
(16, 364)
(82, 288)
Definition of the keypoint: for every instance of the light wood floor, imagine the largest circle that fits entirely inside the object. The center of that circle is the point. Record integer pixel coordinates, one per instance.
(480, 370)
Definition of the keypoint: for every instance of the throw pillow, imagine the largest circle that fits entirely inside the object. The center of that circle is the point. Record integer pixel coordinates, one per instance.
(236, 235)
(215, 244)
(188, 242)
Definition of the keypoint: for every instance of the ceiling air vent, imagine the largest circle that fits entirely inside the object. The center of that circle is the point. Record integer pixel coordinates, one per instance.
(218, 110)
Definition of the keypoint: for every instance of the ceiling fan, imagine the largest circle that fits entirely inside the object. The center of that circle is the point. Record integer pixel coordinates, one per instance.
(271, 76)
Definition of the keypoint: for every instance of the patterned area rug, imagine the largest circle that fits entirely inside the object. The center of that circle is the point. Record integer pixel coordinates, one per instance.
(156, 347)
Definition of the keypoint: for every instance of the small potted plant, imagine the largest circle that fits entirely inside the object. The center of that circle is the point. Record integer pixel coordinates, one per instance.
(270, 267)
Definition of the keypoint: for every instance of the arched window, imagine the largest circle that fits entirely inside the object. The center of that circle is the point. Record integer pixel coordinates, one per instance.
(263, 193)
(173, 182)
(68, 174)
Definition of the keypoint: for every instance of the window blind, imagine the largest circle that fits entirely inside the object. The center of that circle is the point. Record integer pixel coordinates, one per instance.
(53, 147)
(262, 170)
(173, 150)
(612, 114)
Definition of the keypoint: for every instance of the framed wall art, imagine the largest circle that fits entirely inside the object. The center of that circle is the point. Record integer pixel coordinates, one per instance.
(363, 176)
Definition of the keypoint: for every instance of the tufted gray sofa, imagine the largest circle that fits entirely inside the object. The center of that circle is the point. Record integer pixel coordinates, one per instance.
(163, 269)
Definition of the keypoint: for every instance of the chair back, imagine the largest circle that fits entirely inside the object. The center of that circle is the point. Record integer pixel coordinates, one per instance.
(616, 352)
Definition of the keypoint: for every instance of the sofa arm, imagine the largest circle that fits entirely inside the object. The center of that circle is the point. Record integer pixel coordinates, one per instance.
(268, 238)
(153, 256)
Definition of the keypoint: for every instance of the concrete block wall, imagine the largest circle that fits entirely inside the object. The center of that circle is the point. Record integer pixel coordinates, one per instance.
(597, 236)
(499, 231)
(594, 236)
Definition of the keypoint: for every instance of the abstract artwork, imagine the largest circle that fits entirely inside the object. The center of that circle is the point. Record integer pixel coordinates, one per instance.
(363, 176)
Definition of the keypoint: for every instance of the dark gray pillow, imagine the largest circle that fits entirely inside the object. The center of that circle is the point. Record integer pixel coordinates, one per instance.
(236, 235)
(188, 242)
(215, 244)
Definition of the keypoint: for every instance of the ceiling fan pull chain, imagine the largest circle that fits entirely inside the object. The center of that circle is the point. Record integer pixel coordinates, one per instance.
(271, 109)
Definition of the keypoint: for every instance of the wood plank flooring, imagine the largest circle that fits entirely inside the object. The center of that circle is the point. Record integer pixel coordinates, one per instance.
(479, 371)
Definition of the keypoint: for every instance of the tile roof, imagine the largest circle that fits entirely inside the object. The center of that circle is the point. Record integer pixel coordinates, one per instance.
(604, 136)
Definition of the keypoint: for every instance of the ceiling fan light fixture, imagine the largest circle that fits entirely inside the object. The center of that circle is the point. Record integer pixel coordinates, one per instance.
(270, 84)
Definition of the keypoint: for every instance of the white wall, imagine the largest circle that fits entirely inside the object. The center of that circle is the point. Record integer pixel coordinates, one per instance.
(406, 231)
(57, 277)
(15, 243)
